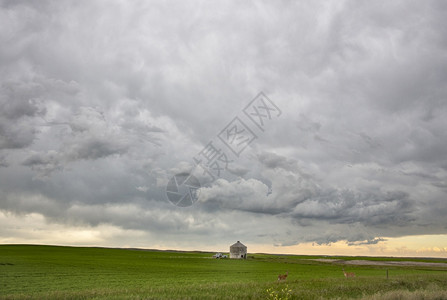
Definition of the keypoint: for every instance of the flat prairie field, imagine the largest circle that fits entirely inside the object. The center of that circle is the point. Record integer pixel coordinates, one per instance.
(54, 272)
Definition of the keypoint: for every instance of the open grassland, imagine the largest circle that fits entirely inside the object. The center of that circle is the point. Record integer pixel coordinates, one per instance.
(50, 272)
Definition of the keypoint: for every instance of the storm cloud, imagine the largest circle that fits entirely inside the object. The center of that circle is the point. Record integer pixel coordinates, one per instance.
(102, 102)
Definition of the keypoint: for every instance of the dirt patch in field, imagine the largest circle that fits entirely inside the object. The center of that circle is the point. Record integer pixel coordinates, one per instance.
(382, 263)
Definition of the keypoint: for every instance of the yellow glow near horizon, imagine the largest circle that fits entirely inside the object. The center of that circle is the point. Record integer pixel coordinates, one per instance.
(33, 229)
(407, 246)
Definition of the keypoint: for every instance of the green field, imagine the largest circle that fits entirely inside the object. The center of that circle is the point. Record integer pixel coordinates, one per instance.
(51, 272)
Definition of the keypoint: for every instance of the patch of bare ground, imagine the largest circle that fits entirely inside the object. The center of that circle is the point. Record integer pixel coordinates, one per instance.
(382, 263)
(436, 294)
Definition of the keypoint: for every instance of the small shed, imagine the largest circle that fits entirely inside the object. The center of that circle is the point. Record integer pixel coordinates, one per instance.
(238, 251)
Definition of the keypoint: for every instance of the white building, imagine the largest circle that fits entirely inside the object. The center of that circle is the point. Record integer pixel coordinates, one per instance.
(238, 250)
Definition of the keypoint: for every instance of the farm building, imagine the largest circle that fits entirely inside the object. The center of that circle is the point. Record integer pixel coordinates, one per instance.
(238, 251)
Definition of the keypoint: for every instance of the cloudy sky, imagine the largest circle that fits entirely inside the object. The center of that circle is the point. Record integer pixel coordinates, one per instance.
(102, 102)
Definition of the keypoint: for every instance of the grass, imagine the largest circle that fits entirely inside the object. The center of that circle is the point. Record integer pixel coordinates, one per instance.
(51, 272)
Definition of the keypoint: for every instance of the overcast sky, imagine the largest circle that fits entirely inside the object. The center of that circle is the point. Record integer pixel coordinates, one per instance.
(101, 102)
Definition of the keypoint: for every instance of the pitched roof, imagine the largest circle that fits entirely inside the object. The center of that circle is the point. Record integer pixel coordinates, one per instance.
(238, 245)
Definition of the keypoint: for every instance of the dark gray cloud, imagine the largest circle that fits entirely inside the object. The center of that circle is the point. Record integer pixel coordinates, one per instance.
(19, 103)
(101, 103)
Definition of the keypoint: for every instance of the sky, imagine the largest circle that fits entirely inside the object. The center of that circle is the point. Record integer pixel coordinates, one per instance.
(103, 102)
